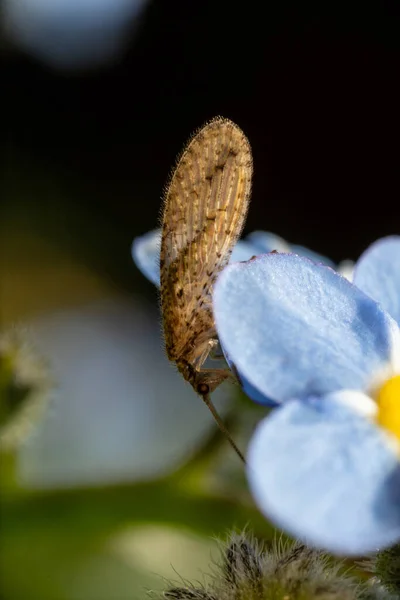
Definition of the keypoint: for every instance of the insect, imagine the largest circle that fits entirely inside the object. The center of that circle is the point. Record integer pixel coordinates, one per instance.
(205, 206)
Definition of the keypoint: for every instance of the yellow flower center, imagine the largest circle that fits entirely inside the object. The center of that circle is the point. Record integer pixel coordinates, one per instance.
(388, 400)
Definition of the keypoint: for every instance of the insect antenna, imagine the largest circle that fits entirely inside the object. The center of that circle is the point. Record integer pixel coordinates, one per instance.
(208, 402)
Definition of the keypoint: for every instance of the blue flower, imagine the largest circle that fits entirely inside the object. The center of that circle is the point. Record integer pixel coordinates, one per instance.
(325, 465)
(146, 251)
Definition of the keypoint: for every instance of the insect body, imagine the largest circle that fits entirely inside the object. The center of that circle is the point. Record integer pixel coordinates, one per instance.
(205, 208)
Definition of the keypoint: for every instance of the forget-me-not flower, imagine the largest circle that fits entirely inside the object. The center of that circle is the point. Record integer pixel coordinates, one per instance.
(325, 465)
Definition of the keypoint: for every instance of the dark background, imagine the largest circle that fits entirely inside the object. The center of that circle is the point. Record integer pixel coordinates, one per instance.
(315, 88)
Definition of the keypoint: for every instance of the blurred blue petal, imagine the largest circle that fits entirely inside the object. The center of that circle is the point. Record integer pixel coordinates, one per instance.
(294, 329)
(265, 242)
(146, 251)
(326, 475)
(71, 33)
(243, 250)
(377, 273)
(146, 255)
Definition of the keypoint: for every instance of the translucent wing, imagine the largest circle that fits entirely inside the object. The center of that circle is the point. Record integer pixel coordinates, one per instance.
(204, 212)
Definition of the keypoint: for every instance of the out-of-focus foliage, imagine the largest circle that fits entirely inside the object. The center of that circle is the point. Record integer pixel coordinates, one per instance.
(386, 567)
(24, 388)
(125, 477)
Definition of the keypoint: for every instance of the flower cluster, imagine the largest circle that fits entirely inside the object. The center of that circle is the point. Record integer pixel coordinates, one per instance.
(325, 464)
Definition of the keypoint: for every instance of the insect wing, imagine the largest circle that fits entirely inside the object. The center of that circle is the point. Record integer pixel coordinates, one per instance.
(205, 208)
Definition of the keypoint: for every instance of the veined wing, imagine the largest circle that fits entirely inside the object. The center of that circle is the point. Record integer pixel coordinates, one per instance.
(205, 208)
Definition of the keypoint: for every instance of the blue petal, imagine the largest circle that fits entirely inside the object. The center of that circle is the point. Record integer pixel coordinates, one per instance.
(294, 329)
(326, 475)
(146, 251)
(243, 250)
(377, 273)
(249, 389)
(265, 242)
(318, 258)
(253, 393)
(146, 255)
